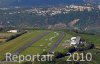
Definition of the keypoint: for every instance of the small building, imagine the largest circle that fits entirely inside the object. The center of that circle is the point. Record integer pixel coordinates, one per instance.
(99, 7)
(12, 31)
(76, 41)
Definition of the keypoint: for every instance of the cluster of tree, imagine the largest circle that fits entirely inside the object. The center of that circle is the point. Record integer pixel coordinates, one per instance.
(59, 56)
(15, 36)
(31, 19)
(85, 47)
(72, 49)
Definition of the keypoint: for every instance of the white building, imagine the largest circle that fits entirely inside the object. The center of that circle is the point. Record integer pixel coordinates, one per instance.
(13, 31)
(75, 40)
(99, 6)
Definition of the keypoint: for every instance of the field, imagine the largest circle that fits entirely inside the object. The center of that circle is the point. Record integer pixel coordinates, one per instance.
(5, 35)
(42, 41)
(42, 45)
(91, 38)
(94, 39)
(65, 42)
(13, 45)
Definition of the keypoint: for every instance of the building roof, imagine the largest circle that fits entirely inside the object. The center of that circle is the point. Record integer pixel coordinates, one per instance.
(78, 39)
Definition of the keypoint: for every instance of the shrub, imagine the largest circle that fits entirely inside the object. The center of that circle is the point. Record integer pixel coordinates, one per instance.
(15, 36)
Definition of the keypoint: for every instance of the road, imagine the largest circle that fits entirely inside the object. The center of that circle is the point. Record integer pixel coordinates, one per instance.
(57, 42)
(18, 51)
(22, 48)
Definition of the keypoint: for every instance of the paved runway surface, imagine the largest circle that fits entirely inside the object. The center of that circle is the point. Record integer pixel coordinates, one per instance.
(57, 43)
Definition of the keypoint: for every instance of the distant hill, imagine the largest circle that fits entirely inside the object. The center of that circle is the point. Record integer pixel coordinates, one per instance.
(82, 20)
(92, 1)
(24, 3)
(5, 3)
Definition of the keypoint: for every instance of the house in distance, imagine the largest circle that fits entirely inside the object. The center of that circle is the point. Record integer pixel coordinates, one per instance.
(12, 31)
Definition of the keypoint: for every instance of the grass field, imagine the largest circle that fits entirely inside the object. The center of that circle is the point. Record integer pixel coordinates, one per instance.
(42, 45)
(2, 40)
(95, 39)
(65, 41)
(13, 45)
(45, 43)
(5, 35)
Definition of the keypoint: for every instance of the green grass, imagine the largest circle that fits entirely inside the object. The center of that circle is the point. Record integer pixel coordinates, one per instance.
(95, 39)
(60, 48)
(13, 45)
(37, 48)
(95, 56)
(44, 45)
(11, 63)
(2, 40)
(5, 34)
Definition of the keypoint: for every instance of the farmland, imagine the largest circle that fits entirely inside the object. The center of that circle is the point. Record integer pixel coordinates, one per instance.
(42, 45)
(42, 41)
(5, 35)
(13, 45)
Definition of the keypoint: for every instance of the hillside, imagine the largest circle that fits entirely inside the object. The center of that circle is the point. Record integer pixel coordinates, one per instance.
(87, 20)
